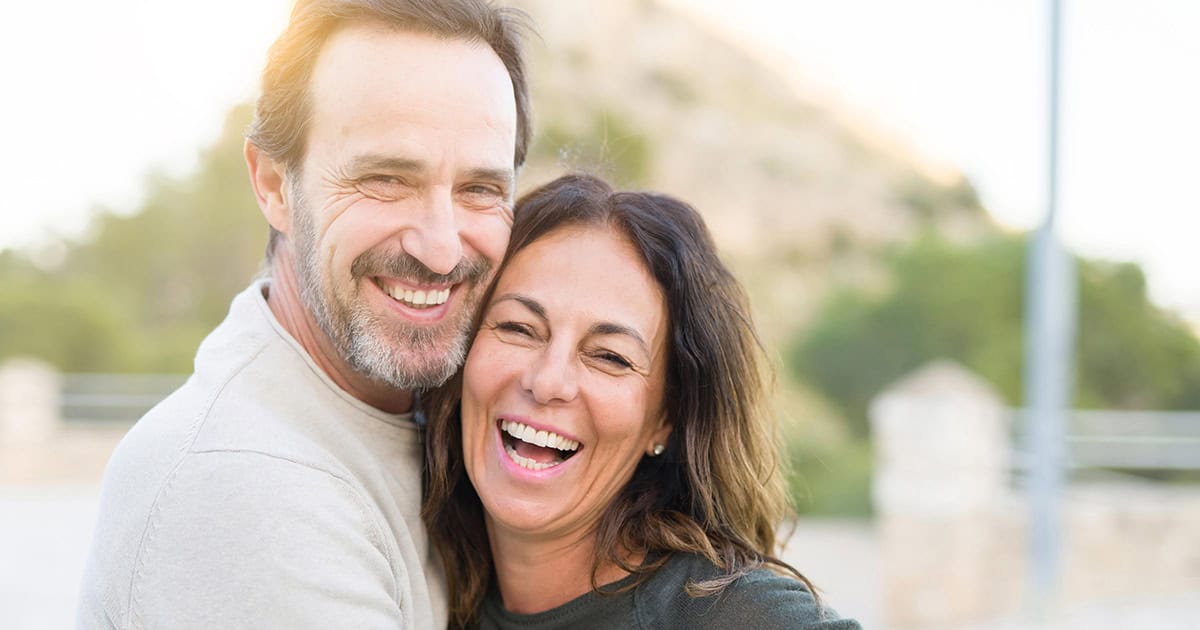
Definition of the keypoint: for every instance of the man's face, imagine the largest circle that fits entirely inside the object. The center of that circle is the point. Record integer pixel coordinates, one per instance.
(402, 205)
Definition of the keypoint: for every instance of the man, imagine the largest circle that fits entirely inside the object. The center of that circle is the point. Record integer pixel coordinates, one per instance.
(280, 486)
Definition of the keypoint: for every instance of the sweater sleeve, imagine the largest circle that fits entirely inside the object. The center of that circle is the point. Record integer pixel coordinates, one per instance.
(760, 600)
(768, 601)
(242, 539)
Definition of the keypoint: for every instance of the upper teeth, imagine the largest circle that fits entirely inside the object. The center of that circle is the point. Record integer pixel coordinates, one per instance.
(539, 438)
(432, 297)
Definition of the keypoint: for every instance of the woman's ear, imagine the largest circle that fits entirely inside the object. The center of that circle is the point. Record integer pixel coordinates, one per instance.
(268, 178)
(658, 439)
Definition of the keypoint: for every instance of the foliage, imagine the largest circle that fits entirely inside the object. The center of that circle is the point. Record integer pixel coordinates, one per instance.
(929, 200)
(1131, 354)
(142, 290)
(831, 479)
(68, 323)
(965, 303)
(609, 146)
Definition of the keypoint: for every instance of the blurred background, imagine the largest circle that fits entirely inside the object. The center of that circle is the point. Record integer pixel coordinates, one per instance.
(872, 170)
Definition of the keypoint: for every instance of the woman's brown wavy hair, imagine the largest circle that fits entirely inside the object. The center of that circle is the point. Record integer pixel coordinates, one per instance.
(717, 490)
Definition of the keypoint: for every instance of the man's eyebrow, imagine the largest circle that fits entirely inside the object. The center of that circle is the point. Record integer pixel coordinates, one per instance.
(533, 305)
(610, 328)
(374, 161)
(505, 175)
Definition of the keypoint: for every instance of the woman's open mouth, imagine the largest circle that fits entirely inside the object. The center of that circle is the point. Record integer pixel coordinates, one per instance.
(533, 449)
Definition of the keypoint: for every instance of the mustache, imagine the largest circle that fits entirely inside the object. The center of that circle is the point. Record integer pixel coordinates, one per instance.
(405, 266)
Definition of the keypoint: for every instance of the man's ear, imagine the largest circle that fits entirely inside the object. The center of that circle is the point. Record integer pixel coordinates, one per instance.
(268, 178)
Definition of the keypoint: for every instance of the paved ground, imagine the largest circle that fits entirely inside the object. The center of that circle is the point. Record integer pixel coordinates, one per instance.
(45, 532)
(842, 558)
(44, 537)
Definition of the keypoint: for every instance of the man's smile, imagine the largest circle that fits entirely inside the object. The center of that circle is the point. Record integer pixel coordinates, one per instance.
(414, 297)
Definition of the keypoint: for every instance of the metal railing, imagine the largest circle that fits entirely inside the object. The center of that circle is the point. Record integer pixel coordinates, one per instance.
(1145, 440)
(112, 398)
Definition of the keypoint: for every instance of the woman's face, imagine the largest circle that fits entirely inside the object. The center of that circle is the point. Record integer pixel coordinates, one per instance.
(563, 387)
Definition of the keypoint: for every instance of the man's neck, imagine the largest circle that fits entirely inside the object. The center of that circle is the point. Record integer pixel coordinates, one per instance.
(536, 576)
(283, 298)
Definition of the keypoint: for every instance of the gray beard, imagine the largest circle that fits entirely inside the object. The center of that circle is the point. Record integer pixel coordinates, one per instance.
(403, 356)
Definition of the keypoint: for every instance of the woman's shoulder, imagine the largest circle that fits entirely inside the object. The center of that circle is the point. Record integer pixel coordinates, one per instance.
(761, 598)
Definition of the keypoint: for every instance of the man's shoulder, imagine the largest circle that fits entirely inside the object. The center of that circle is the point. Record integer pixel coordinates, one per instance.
(255, 401)
(251, 479)
(225, 408)
(250, 391)
(244, 495)
(239, 534)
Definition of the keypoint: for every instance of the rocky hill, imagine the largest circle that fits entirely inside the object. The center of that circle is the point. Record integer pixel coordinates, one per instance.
(796, 199)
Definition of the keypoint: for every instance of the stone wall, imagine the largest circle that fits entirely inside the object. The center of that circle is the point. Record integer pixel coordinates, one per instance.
(953, 529)
(941, 495)
(36, 447)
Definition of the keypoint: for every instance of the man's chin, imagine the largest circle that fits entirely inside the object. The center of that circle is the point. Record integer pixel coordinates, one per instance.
(409, 368)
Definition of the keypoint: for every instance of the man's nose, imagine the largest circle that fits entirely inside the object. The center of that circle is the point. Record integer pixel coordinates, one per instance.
(433, 237)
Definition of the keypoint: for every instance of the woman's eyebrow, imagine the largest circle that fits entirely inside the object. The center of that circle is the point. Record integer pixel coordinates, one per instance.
(599, 328)
(533, 305)
(610, 328)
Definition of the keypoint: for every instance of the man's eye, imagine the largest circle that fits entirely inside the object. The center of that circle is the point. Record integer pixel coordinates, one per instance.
(382, 187)
(482, 194)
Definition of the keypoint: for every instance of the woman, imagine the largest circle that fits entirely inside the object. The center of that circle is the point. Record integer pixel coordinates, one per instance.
(609, 464)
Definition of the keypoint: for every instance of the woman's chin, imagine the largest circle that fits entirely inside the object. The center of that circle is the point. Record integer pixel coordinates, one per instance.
(520, 516)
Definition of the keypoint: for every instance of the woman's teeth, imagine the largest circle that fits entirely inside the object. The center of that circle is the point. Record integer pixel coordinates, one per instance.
(525, 462)
(562, 448)
(531, 435)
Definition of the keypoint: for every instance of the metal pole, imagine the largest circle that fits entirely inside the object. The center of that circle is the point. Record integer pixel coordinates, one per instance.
(1049, 342)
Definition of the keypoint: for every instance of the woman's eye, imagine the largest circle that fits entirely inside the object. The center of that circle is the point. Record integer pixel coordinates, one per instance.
(515, 327)
(614, 359)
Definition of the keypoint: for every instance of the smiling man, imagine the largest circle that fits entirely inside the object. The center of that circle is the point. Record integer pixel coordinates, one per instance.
(280, 487)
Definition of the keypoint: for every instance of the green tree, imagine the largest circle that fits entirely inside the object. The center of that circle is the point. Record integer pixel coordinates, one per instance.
(966, 303)
(141, 290)
(610, 147)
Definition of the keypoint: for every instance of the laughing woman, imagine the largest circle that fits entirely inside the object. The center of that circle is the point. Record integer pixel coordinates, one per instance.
(609, 464)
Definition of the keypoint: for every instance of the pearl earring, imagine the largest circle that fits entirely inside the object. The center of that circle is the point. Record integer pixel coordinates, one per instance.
(658, 449)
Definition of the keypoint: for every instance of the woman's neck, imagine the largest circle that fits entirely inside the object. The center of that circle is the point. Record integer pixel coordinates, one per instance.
(537, 575)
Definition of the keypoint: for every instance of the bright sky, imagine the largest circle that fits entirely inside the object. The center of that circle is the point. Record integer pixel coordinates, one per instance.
(99, 93)
(963, 83)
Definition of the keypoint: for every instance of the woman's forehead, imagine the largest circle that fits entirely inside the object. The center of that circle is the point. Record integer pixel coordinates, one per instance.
(587, 271)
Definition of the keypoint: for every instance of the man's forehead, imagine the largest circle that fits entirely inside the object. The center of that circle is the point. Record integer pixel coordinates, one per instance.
(373, 82)
(368, 60)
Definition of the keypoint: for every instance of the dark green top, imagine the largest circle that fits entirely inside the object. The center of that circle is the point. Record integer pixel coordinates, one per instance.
(760, 600)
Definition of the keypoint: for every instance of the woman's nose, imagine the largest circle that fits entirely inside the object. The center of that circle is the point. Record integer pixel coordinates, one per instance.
(552, 377)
